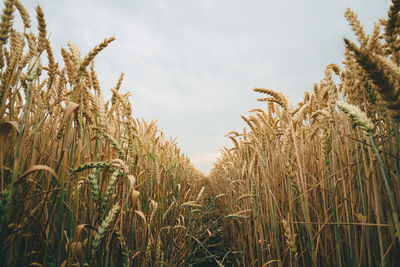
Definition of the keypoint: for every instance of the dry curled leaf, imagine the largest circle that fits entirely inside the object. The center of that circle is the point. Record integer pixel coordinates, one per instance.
(34, 169)
(72, 107)
(141, 214)
(5, 129)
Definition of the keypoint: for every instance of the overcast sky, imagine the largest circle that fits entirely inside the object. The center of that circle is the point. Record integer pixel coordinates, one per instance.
(191, 64)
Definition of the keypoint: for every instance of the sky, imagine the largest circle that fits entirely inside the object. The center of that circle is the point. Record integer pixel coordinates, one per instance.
(192, 64)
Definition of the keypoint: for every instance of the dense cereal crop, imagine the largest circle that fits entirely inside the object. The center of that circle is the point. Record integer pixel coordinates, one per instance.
(84, 183)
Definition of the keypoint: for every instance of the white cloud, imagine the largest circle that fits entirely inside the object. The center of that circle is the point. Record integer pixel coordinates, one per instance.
(204, 162)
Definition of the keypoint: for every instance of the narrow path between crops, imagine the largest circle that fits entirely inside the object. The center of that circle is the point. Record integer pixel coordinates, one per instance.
(213, 248)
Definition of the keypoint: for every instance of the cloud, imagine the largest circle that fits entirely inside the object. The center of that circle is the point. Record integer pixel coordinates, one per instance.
(204, 162)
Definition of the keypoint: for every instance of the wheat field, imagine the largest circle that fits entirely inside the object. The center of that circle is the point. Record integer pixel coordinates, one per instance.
(84, 183)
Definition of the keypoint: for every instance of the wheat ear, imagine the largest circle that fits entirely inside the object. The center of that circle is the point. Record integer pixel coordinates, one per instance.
(102, 230)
